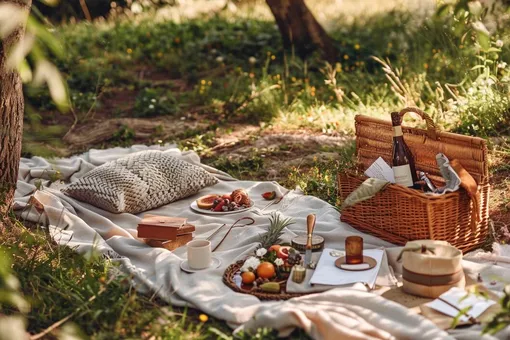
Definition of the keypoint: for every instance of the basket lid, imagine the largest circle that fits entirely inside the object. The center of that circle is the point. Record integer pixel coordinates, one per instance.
(374, 139)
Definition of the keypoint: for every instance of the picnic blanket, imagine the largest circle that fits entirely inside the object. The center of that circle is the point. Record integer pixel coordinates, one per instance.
(346, 313)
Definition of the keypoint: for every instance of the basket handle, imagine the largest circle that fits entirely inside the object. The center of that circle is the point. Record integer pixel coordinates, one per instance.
(432, 129)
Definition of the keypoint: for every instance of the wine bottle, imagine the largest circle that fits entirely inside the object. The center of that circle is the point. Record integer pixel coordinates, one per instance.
(402, 160)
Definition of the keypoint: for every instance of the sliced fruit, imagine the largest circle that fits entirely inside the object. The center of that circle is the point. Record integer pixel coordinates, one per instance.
(248, 277)
(284, 251)
(274, 247)
(207, 201)
(266, 270)
(219, 206)
(270, 195)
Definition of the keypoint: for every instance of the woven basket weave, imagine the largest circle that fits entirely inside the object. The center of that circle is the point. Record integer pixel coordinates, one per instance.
(399, 214)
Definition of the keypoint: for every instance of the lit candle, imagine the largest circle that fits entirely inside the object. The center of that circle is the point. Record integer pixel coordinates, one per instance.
(354, 250)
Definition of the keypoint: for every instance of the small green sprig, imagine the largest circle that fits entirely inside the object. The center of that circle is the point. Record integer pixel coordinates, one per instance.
(501, 319)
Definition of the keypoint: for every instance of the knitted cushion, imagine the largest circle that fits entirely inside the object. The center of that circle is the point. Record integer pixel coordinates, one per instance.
(139, 182)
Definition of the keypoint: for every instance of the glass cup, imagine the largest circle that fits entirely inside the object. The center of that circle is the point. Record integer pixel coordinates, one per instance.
(354, 250)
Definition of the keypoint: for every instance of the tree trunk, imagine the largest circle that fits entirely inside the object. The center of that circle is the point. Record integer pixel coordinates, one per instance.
(301, 30)
(11, 117)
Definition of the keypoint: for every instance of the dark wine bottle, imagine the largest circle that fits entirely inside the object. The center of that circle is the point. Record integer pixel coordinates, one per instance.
(404, 169)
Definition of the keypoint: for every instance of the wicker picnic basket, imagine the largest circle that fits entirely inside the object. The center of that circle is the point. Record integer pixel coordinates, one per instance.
(399, 214)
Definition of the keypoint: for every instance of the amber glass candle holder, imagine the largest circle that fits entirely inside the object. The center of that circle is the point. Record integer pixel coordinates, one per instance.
(354, 250)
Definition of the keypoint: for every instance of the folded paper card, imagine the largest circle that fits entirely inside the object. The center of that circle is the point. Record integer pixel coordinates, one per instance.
(461, 299)
(380, 170)
(326, 273)
(360, 266)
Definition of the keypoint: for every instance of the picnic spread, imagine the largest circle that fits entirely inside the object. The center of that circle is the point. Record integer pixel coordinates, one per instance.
(256, 254)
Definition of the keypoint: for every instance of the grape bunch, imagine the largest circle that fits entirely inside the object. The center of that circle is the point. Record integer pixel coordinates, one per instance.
(294, 257)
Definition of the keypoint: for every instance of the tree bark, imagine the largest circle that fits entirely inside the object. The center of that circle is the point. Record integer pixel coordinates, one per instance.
(300, 30)
(11, 116)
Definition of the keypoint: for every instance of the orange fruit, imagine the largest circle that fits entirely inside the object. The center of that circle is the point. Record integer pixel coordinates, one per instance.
(248, 277)
(266, 270)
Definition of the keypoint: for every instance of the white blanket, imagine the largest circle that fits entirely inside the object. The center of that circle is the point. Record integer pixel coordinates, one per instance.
(339, 313)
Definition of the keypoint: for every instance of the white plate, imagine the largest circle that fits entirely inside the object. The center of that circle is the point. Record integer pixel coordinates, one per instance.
(215, 263)
(195, 207)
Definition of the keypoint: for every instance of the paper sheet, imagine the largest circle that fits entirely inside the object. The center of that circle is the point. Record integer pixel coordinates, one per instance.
(327, 273)
(381, 170)
(457, 297)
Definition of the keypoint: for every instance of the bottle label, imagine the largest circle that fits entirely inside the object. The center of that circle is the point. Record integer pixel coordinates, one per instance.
(403, 176)
(397, 131)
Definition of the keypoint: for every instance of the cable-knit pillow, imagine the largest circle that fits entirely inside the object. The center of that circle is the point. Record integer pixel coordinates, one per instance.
(139, 182)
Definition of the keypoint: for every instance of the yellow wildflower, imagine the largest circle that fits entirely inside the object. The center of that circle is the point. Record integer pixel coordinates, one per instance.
(426, 65)
(273, 57)
(346, 56)
(203, 318)
(202, 82)
(356, 47)
(390, 45)
(209, 83)
(129, 51)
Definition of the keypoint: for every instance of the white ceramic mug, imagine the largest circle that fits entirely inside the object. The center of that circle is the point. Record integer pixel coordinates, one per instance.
(199, 254)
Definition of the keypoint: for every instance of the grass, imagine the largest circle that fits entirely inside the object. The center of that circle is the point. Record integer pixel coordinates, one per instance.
(58, 284)
(233, 68)
(230, 70)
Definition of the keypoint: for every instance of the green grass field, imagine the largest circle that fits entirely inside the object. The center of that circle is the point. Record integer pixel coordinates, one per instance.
(224, 78)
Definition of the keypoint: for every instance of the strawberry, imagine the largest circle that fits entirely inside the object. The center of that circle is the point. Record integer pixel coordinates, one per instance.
(227, 197)
(219, 206)
(270, 195)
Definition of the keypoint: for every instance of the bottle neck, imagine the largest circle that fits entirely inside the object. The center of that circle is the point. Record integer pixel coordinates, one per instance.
(397, 131)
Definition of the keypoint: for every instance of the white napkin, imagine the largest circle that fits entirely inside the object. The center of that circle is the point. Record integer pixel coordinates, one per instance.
(354, 266)
(327, 273)
(461, 299)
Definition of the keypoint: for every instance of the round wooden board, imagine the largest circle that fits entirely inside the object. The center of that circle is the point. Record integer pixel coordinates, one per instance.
(299, 243)
(366, 259)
